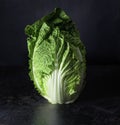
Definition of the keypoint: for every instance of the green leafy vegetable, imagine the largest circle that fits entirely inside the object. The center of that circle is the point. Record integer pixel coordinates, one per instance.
(56, 57)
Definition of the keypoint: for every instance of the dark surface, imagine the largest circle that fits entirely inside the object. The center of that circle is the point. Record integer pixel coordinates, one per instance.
(98, 104)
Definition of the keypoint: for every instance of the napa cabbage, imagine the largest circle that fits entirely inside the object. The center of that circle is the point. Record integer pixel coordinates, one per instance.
(56, 57)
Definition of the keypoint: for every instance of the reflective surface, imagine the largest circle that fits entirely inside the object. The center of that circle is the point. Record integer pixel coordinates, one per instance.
(98, 104)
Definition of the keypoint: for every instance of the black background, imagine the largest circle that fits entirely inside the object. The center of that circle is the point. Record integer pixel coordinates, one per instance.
(97, 20)
(99, 24)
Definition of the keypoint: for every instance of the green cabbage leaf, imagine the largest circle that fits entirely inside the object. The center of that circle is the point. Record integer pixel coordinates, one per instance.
(56, 57)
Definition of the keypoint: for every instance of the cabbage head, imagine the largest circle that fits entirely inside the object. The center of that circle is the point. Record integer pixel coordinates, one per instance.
(56, 57)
